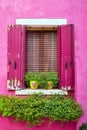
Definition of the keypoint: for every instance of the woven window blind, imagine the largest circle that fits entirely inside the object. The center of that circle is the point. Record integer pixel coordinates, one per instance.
(41, 51)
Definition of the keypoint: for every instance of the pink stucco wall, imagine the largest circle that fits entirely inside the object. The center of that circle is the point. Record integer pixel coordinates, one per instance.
(9, 124)
(74, 11)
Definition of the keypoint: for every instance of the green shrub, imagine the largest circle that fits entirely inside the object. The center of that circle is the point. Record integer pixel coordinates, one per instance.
(83, 126)
(36, 107)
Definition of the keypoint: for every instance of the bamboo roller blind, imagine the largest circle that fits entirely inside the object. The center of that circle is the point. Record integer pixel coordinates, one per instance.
(41, 50)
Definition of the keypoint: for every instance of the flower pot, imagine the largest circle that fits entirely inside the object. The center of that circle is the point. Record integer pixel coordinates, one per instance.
(33, 84)
(50, 84)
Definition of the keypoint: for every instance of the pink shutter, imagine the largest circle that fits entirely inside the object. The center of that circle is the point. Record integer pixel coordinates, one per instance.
(65, 57)
(10, 56)
(59, 55)
(23, 55)
(16, 40)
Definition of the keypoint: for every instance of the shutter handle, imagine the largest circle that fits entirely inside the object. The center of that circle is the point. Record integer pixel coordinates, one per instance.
(66, 65)
(71, 64)
(15, 65)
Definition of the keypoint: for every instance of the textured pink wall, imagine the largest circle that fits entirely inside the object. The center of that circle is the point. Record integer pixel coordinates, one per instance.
(74, 11)
(9, 124)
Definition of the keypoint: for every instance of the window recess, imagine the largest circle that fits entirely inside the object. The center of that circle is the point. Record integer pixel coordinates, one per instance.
(41, 49)
(62, 53)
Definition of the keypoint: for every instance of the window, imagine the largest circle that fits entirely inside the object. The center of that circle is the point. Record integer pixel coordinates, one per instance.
(41, 50)
(63, 53)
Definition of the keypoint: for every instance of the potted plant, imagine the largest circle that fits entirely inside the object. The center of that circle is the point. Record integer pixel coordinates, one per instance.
(52, 79)
(47, 80)
(31, 79)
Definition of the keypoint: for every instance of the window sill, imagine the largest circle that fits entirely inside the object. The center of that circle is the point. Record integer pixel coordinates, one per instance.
(45, 92)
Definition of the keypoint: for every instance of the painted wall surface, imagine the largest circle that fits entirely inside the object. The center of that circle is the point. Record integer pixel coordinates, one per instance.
(9, 124)
(74, 11)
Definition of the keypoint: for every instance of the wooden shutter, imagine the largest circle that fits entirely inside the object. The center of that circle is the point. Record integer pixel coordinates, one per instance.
(15, 55)
(66, 56)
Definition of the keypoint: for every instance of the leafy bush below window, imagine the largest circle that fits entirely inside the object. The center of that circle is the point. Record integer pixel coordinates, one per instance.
(36, 107)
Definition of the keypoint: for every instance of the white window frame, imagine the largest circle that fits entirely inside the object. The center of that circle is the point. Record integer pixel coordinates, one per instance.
(41, 22)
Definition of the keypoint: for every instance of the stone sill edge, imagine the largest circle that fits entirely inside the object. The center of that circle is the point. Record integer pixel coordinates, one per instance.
(45, 92)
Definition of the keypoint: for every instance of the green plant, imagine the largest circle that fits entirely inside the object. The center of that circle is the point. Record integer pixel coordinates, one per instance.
(41, 77)
(52, 76)
(45, 77)
(31, 76)
(83, 126)
(36, 107)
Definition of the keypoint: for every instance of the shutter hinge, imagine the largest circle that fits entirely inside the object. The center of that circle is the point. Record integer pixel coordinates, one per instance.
(66, 65)
(15, 65)
(71, 64)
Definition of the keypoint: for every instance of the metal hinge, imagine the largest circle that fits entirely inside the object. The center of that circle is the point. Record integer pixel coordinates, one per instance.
(66, 65)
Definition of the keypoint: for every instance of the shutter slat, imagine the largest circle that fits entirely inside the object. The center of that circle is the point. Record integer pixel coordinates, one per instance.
(59, 55)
